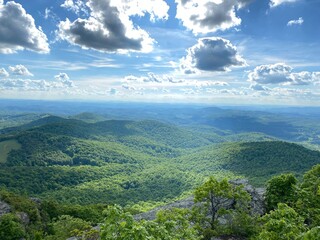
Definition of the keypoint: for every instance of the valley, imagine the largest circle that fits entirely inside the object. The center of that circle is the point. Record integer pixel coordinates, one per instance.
(152, 156)
(141, 159)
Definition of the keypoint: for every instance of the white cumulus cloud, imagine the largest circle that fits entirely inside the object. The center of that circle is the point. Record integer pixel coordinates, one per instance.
(305, 78)
(20, 70)
(18, 30)
(109, 27)
(64, 79)
(204, 16)
(211, 54)
(283, 74)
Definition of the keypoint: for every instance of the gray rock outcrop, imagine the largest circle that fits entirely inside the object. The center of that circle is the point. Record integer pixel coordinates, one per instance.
(24, 218)
(4, 208)
(257, 202)
(257, 195)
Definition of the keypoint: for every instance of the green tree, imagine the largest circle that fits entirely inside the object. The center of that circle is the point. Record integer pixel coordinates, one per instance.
(11, 228)
(66, 226)
(217, 198)
(281, 189)
(284, 223)
(308, 203)
(177, 223)
(120, 225)
(169, 225)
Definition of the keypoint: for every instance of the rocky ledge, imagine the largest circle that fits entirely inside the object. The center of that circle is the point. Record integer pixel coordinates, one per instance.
(257, 201)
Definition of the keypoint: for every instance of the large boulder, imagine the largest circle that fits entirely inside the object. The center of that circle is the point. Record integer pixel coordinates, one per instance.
(257, 196)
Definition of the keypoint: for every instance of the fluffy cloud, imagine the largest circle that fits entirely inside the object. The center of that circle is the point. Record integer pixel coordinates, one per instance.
(32, 85)
(271, 74)
(158, 9)
(18, 30)
(281, 73)
(3, 73)
(305, 78)
(295, 22)
(20, 70)
(109, 28)
(275, 3)
(64, 79)
(211, 54)
(76, 6)
(204, 16)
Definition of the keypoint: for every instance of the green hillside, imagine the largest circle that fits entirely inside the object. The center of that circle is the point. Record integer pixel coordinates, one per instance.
(257, 161)
(114, 130)
(129, 162)
(6, 147)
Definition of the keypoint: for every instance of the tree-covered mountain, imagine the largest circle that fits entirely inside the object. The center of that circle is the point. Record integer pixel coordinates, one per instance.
(79, 162)
(127, 162)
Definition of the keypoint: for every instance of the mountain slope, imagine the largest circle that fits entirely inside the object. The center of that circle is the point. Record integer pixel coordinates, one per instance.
(257, 161)
(127, 162)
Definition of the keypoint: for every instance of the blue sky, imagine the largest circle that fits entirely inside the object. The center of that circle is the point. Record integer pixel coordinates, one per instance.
(201, 51)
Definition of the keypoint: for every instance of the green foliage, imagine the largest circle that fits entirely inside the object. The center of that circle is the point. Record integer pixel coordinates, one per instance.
(241, 223)
(66, 226)
(282, 223)
(227, 204)
(261, 160)
(312, 234)
(257, 161)
(120, 226)
(89, 213)
(215, 197)
(281, 189)
(177, 222)
(171, 225)
(308, 204)
(11, 227)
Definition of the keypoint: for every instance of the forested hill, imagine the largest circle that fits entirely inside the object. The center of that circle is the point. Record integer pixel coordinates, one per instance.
(134, 162)
(113, 130)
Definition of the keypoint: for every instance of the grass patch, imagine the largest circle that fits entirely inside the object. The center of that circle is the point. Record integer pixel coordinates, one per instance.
(6, 147)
